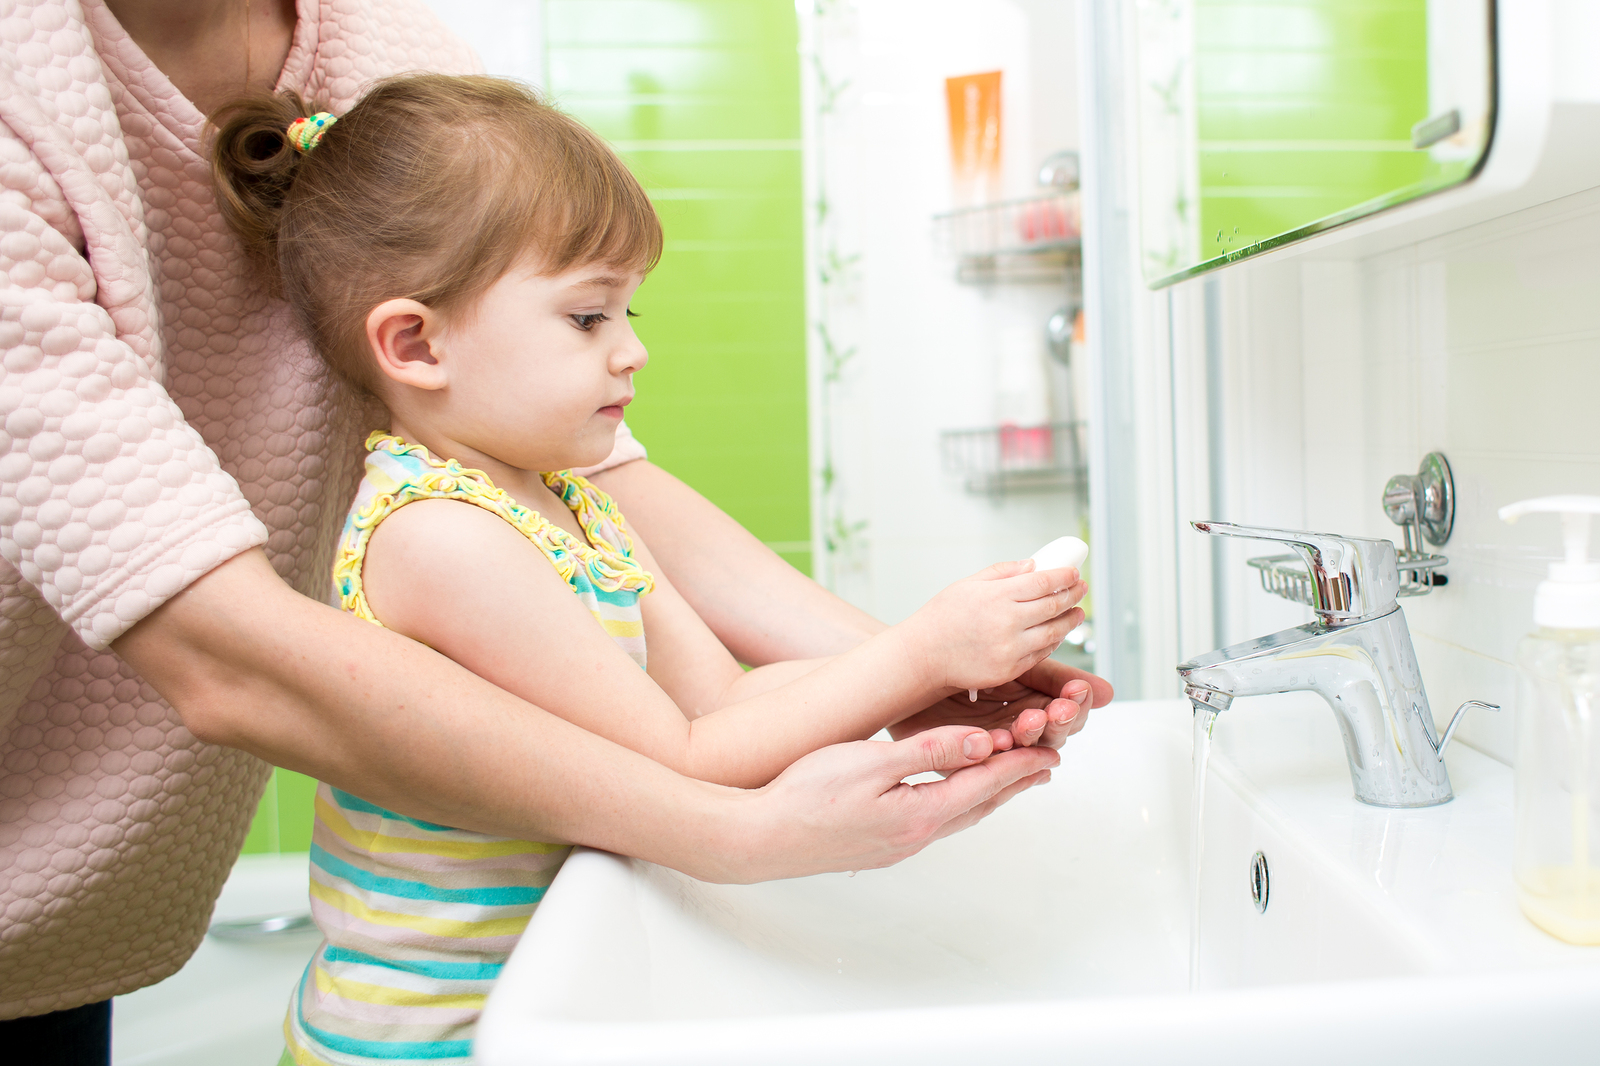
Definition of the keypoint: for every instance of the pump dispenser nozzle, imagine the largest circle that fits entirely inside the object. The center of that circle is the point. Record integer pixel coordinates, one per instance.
(1570, 597)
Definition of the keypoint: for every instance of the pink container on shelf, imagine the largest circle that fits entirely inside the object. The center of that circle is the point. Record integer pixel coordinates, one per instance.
(1026, 447)
(1052, 219)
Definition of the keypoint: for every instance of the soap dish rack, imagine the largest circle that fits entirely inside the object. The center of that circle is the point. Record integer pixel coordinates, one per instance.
(1422, 504)
(1286, 575)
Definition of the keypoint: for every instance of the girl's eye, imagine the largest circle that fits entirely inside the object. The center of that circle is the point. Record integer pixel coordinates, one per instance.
(588, 322)
(632, 313)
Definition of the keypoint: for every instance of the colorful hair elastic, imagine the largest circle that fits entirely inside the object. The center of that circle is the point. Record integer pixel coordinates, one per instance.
(304, 133)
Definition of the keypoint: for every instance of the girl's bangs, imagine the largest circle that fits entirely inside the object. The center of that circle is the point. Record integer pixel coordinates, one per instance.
(602, 216)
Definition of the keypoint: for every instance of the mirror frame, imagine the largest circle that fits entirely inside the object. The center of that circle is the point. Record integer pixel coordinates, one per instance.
(1367, 208)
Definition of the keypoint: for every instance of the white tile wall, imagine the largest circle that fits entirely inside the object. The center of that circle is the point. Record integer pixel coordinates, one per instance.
(1484, 344)
(928, 348)
(508, 35)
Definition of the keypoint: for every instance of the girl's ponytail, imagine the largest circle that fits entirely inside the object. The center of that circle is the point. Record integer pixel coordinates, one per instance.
(429, 188)
(253, 165)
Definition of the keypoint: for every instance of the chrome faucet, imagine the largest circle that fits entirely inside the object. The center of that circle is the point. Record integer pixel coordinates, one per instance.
(1357, 656)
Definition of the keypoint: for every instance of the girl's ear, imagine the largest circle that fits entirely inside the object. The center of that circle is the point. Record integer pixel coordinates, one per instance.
(402, 336)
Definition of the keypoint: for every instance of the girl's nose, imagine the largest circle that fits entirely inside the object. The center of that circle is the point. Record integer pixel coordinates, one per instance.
(630, 356)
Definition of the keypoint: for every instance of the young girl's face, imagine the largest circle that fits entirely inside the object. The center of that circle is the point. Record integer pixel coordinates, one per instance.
(541, 369)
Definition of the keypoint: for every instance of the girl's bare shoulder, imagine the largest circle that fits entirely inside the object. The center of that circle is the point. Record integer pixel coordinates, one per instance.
(441, 564)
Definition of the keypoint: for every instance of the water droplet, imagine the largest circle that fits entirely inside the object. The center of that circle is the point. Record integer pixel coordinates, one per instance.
(852, 873)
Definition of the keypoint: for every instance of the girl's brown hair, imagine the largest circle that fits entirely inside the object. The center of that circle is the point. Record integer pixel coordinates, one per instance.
(430, 188)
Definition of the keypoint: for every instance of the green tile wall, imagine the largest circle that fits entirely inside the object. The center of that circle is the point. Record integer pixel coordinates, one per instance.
(283, 820)
(1305, 109)
(702, 99)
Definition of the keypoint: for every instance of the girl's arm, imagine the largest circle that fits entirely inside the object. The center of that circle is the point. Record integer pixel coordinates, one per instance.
(250, 663)
(465, 582)
(761, 679)
(761, 608)
(692, 666)
(766, 611)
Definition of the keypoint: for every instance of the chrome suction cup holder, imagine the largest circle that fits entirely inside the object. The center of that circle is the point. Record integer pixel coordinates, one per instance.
(1422, 504)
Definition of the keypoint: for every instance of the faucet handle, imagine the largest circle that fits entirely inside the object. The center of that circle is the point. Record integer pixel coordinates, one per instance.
(1352, 578)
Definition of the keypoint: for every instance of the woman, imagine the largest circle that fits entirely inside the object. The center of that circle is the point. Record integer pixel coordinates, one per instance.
(170, 475)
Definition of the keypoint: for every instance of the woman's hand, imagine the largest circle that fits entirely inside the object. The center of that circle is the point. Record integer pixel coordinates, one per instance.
(992, 627)
(1044, 706)
(847, 807)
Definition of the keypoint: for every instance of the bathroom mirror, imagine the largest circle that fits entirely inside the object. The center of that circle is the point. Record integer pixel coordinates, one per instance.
(1262, 122)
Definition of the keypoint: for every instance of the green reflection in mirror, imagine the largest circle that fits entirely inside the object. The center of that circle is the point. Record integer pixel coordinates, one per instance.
(1265, 121)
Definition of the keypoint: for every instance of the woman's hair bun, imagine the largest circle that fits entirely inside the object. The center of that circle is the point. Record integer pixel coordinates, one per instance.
(253, 165)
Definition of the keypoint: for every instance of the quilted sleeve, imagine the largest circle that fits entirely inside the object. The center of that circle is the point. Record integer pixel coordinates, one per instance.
(109, 502)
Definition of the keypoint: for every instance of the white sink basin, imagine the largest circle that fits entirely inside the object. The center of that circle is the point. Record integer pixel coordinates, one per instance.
(1059, 929)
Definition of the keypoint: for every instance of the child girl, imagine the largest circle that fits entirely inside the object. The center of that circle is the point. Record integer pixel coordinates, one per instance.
(464, 255)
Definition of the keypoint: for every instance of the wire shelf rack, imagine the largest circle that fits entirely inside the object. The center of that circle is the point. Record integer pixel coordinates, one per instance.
(1286, 575)
(1030, 225)
(1058, 267)
(1005, 459)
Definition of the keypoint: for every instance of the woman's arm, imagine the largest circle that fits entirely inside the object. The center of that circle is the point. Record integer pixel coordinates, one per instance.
(252, 664)
(465, 582)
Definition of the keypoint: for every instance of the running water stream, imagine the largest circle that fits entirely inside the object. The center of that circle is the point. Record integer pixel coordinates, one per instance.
(1204, 719)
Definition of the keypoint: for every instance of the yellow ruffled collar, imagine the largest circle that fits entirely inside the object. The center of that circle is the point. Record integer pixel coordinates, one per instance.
(608, 553)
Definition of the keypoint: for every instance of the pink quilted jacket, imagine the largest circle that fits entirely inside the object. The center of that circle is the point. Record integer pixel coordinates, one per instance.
(157, 416)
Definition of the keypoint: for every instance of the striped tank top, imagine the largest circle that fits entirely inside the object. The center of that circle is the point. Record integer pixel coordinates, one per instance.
(417, 918)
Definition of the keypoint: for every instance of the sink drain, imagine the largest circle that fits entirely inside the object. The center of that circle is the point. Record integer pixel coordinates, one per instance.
(1260, 886)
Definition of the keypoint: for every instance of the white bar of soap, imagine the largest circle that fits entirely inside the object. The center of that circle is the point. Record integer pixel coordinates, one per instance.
(1063, 551)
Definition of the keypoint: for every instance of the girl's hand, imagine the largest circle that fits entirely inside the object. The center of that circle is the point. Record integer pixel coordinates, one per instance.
(994, 626)
(1044, 706)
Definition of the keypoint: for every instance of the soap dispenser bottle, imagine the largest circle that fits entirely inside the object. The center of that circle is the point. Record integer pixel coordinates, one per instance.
(1557, 864)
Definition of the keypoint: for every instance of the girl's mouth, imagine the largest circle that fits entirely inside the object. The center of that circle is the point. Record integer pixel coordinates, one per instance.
(614, 411)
